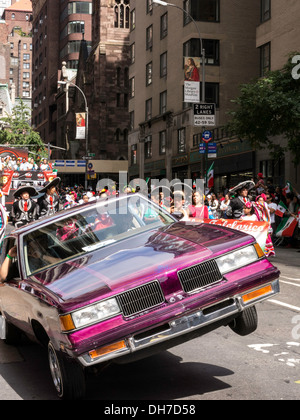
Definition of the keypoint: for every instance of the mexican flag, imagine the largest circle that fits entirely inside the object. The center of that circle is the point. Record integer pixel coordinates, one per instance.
(281, 209)
(210, 176)
(287, 189)
(286, 227)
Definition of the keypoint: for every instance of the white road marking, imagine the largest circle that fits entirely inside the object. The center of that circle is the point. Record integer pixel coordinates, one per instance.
(288, 282)
(289, 278)
(289, 361)
(286, 305)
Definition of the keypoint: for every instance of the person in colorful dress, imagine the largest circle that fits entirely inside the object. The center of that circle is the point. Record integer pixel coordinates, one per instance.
(263, 215)
(197, 210)
(249, 212)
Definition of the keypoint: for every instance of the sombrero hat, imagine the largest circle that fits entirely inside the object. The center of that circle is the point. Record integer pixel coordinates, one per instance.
(25, 188)
(245, 184)
(50, 184)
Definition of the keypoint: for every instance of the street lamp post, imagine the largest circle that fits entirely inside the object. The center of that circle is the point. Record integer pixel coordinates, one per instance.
(164, 3)
(67, 84)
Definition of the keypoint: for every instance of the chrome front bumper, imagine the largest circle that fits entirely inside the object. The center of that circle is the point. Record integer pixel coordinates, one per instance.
(185, 324)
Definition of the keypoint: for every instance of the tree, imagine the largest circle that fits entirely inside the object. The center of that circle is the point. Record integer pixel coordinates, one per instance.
(269, 107)
(17, 130)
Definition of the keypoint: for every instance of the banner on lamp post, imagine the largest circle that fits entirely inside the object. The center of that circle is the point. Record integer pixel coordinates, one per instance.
(80, 125)
(192, 79)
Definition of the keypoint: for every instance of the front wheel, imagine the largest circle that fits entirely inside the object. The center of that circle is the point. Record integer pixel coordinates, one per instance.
(246, 323)
(67, 375)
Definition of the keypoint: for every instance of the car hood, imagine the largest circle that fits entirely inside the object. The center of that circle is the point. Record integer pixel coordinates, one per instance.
(145, 257)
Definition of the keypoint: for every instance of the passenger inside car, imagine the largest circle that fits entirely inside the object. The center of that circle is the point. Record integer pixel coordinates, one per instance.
(9, 268)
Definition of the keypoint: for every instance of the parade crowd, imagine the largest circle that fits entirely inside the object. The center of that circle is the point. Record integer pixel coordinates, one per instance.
(248, 201)
(22, 164)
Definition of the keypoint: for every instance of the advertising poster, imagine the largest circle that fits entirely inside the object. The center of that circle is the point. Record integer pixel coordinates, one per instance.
(192, 79)
(80, 125)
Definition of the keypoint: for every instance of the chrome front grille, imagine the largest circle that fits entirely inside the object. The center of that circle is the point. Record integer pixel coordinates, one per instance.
(141, 298)
(199, 276)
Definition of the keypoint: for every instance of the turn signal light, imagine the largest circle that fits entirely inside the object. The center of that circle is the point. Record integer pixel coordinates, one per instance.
(67, 323)
(94, 354)
(259, 251)
(257, 293)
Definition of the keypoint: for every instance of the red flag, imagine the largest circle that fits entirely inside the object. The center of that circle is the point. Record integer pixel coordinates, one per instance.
(6, 180)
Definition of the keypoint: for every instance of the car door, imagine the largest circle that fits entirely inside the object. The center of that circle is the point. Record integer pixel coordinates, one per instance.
(11, 293)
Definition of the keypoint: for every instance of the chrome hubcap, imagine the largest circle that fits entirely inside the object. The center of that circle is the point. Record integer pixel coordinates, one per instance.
(55, 370)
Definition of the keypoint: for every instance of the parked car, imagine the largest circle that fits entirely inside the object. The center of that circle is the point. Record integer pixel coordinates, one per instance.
(121, 279)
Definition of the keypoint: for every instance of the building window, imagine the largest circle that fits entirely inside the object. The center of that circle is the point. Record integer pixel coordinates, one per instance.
(132, 20)
(202, 10)
(149, 6)
(191, 48)
(131, 119)
(148, 109)
(149, 37)
(162, 142)
(148, 147)
(132, 53)
(265, 59)
(163, 102)
(75, 27)
(72, 64)
(211, 93)
(132, 87)
(149, 74)
(181, 140)
(164, 26)
(265, 10)
(122, 13)
(163, 65)
(80, 7)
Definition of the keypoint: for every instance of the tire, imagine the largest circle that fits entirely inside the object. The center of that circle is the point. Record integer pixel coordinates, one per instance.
(246, 323)
(67, 375)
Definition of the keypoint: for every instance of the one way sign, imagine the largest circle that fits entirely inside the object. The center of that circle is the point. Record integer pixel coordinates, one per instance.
(204, 115)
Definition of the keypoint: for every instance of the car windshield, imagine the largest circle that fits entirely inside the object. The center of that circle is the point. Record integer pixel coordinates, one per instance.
(95, 227)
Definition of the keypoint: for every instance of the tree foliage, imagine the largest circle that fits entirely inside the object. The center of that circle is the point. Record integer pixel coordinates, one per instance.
(17, 130)
(270, 107)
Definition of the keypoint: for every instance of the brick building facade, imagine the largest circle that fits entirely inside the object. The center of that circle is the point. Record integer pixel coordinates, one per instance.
(57, 32)
(16, 49)
(102, 75)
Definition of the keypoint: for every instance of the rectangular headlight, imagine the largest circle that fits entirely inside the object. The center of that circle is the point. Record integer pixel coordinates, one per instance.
(237, 259)
(95, 313)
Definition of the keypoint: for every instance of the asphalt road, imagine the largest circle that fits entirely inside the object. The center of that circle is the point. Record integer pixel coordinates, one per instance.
(217, 366)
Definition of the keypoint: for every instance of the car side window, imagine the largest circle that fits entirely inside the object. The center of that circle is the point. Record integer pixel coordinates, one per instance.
(13, 272)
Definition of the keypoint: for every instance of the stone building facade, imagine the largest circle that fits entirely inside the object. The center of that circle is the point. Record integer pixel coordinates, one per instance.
(241, 39)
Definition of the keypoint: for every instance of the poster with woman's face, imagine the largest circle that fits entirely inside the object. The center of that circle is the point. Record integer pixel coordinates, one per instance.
(192, 69)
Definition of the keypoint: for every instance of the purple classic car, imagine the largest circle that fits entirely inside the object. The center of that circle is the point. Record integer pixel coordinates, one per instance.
(121, 279)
